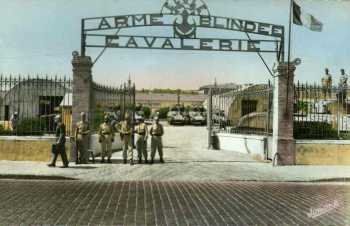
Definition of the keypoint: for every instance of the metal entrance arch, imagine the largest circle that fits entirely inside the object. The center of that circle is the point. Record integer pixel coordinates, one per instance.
(187, 18)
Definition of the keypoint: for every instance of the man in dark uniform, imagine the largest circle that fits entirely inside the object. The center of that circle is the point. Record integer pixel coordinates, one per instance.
(343, 86)
(59, 146)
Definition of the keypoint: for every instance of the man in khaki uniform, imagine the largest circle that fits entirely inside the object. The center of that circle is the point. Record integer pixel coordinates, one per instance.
(141, 143)
(156, 132)
(81, 136)
(327, 84)
(126, 132)
(106, 138)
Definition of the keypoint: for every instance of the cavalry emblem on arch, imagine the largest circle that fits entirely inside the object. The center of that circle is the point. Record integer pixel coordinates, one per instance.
(185, 9)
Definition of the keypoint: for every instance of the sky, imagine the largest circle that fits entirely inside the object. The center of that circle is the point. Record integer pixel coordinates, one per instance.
(38, 37)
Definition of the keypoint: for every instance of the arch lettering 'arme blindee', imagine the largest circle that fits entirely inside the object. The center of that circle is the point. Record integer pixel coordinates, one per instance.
(186, 19)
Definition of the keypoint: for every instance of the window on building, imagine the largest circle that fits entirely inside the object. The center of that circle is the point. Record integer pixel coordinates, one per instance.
(248, 106)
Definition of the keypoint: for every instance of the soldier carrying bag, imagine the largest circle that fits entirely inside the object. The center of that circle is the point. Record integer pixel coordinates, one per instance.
(54, 149)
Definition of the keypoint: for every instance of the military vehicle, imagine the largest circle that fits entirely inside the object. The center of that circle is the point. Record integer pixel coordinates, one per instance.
(197, 116)
(176, 115)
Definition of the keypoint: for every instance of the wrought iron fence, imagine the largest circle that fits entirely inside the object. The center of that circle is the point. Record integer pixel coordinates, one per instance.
(245, 110)
(28, 104)
(113, 101)
(321, 112)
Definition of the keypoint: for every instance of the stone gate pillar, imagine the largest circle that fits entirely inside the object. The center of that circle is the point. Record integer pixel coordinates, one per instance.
(283, 109)
(82, 90)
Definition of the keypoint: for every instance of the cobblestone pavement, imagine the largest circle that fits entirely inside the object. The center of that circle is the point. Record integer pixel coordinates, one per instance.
(33, 202)
(187, 159)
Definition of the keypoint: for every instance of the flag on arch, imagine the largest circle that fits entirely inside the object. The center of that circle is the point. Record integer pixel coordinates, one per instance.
(305, 19)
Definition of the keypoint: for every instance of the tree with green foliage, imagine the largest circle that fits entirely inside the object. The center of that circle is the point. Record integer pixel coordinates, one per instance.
(146, 111)
(163, 112)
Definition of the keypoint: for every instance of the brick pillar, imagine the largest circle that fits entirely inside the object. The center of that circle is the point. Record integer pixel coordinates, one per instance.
(283, 103)
(82, 90)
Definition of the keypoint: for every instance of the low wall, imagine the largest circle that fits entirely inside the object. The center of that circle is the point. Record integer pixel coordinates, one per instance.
(323, 152)
(38, 148)
(34, 148)
(308, 152)
(254, 145)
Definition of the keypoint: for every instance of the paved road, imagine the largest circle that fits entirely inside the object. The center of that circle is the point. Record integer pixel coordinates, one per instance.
(172, 203)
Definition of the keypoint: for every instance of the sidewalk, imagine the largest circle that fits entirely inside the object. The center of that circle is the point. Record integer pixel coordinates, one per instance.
(178, 170)
(187, 159)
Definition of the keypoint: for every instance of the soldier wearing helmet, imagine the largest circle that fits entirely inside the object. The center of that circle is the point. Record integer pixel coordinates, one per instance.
(106, 138)
(81, 136)
(126, 132)
(59, 146)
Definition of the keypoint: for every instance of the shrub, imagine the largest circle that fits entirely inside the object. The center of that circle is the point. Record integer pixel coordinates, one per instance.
(314, 130)
(3, 131)
(302, 106)
(32, 126)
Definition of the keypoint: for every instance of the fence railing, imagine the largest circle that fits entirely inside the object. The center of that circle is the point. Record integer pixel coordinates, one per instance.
(246, 110)
(321, 112)
(28, 104)
(113, 101)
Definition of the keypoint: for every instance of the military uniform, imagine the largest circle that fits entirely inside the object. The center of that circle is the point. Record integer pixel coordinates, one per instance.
(141, 143)
(327, 84)
(126, 131)
(59, 148)
(106, 138)
(343, 86)
(156, 132)
(14, 121)
(82, 141)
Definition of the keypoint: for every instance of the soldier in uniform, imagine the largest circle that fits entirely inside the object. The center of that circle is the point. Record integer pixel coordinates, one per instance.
(141, 143)
(327, 84)
(106, 138)
(126, 132)
(156, 132)
(82, 139)
(14, 121)
(59, 146)
(343, 85)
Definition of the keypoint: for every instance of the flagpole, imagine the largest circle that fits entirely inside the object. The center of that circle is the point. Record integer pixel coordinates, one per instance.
(290, 30)
(289, 45)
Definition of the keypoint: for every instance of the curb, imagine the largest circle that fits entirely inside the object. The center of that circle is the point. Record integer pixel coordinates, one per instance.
(33, 177)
